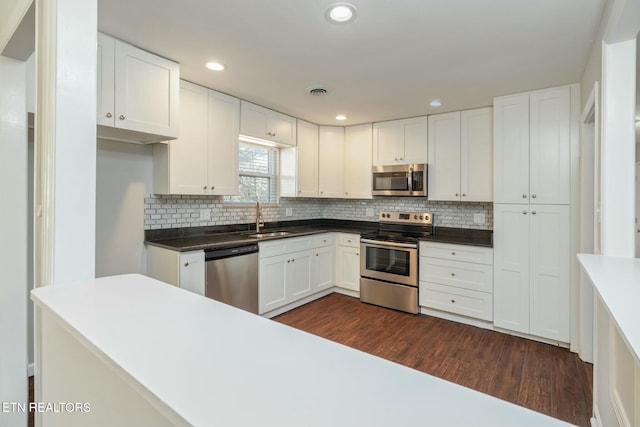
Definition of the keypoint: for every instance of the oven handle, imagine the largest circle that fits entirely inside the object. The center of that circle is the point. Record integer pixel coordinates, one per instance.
(394, 244)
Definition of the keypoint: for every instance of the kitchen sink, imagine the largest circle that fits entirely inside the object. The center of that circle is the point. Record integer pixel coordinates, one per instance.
(269, 234)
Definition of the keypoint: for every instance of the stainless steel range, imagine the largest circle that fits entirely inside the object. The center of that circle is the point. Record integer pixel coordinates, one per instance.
(389, 260)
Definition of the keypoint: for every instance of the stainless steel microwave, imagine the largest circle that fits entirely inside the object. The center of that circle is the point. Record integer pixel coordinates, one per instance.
(400, 180)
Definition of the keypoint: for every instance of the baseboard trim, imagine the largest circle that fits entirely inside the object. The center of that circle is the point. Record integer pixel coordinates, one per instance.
(296, 304)
(457, 318)
(348, 292)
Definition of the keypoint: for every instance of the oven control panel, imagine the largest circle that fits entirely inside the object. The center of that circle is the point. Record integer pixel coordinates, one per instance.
(418, 218)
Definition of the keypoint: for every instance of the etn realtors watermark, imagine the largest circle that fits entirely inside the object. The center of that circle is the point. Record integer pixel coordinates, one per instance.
(42, 407)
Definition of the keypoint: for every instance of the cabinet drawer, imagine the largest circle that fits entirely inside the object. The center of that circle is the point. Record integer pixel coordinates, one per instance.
(283, 246)
(351, 240)
(465, 253)
(322, 240)
(455, 300)
(467, 275)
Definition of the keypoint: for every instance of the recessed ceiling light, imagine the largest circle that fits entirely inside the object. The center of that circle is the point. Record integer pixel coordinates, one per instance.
(215, 66)
(435, 103)
(341, 13)
(341, 117)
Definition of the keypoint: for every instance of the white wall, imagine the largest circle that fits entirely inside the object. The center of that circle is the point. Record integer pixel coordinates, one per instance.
(13, 235)
(124, 175)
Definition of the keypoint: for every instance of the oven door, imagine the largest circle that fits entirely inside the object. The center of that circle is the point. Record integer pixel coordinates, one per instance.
(389, 261)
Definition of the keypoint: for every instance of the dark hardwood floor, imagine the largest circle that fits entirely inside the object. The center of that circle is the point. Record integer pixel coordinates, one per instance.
(545, 378)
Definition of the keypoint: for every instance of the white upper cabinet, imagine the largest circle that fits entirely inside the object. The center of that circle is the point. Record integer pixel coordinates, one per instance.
(476, 155)
(461, 156)
(307, 159)
(204, 160)
(260, 122)
(137, 93)
(532, 147)
(357, 161)
(444, 156)
(331, 161)
(400, 141)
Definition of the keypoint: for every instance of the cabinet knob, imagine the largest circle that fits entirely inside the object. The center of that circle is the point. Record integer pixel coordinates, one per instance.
(464, 195)
(205, 187)
(396, 159)
(288, 261)
(533, 196)
(401, 158)
(293, 260)
(316, 254)
(357, 254)
(121, 117)
(186, 264)
(457, 194)
(453, 253)
(453, 301)
(524, 196)
(533, 212)
(524, 212)
(453, 274)
(109, 115)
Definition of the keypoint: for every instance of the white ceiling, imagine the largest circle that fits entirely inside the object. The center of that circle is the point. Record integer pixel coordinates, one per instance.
(391, 62)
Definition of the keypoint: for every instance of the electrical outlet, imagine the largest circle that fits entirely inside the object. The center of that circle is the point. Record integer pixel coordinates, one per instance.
(369, 212)
(288, 212)
(478, 218)
(205, 214)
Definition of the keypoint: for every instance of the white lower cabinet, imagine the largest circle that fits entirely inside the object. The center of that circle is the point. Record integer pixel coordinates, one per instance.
(183, 269)
(457, 279)
(324, 262)
(294, 268)
(348, 262)
(532, 266)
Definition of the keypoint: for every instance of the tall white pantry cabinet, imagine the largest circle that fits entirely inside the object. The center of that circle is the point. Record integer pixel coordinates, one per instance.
(532, 177)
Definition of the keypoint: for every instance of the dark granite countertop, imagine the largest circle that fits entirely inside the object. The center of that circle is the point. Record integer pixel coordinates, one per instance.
(196, 238)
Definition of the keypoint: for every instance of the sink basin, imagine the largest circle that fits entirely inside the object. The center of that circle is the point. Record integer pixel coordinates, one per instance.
(270, 234)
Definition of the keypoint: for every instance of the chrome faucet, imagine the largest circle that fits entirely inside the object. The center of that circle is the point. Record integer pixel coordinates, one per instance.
(259, 218)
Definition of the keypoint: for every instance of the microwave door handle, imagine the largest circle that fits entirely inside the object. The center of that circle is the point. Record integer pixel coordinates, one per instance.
(410, 180)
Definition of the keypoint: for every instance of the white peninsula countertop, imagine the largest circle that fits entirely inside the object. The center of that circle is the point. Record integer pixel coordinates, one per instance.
(202, 363)
(617, 281)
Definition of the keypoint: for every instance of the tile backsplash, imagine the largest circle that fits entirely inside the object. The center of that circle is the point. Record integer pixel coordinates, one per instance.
(185, 211)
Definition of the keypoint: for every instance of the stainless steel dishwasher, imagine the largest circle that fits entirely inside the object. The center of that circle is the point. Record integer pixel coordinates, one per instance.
(232, 276)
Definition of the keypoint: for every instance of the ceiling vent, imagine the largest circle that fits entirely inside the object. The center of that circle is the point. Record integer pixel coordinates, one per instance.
(318, 90)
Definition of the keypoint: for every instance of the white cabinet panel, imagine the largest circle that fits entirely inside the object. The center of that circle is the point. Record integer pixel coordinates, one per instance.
(324, 267)
(348, 268)
(550, 146)
(331, 161)
(260, 122)
(223, 130)
(456, 300)
(204, 160)
(476, 155)
(461, 156)
(400, 141)
(464, 253)
(511, 267)
(307, 159)
(511, 149)
(444, 156)
(272, 283)
(137, 92)
(299, 279)
(550, 299)
(192, 272)
(466, 275)
(357, 161)
(531, 276)
(532, 147)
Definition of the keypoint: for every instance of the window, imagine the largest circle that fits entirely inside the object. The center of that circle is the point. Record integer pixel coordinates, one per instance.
(258, 175)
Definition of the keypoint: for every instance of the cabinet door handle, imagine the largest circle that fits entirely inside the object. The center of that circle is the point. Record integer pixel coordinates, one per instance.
(316, 254)
(453, 274)
(533, 196)
(453, 253)
(457, 194)
(121, 117)
(524, 212)
(464, 195)
(396, 159)
(293, 260)
(357, 254)
(524, 196)
(186, 264)
(533, 212)
(401, 158)
(288, 261)
(109, 115)
(205, 187)
(453, 301)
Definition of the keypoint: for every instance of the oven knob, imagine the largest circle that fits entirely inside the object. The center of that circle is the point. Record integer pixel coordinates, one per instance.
(421, 217)
(415, 217)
